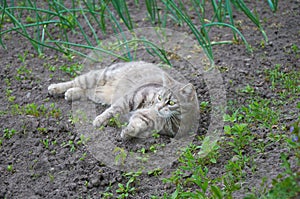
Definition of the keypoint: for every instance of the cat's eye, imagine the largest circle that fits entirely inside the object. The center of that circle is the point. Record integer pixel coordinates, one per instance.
(159, 98)
(171, 103)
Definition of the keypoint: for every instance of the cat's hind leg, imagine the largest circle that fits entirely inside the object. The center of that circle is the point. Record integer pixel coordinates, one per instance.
(60, 88)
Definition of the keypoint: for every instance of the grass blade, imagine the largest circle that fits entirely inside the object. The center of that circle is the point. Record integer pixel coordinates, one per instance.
(151, 6)
(234, 29)
(17, 23)
(3, 8)
(122, 9)
(241, 4)
(91, 27)
(217, 10)
(202, 37)
(108, 52)
(229, 10)
(273, 5)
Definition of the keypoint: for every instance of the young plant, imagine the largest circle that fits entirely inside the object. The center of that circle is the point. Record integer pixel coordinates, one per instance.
(10, 168)
(115, 121)
(240, 136)
(45, 142)
(208, 151)
(121, 155)
(128, 189)
(8, 133)
(23, 57)
(72, 70)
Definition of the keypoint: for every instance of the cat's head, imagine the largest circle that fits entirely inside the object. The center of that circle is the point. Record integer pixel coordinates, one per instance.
(172, 97)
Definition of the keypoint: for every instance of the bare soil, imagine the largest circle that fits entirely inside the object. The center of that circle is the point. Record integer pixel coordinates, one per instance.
(60, 172)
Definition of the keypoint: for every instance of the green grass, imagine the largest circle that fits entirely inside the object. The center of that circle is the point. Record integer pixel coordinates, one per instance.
(35, 21)
(284, 84)
(31, 109)
(8, 133)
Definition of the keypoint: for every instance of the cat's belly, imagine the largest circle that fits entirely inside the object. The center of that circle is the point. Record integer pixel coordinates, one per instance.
(102, 95)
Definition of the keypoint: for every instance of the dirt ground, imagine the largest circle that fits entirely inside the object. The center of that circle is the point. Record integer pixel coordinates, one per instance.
(66, 169)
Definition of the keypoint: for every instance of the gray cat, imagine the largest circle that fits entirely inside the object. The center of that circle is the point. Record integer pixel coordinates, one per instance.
(154, 100)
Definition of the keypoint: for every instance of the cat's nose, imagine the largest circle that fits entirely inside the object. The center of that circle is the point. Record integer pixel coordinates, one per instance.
(159, 106)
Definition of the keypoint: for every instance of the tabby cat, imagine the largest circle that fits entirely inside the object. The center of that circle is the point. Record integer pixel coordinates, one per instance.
(154, 101)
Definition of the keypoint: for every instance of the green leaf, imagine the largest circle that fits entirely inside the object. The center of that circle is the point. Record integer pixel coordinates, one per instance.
(174, 194)
(216, 191)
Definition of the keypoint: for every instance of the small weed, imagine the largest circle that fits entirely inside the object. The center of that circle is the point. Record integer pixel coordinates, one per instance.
(209, 151)
(262, 44)
(45, 142)
(231, 185)
(125, 190)
(22, 73)
(35, 110)
(240, 136)
(115, 121)
(285, 187)
(72, 70)
(42, 130)
(54, 142)
(121, 155)
(155, 135)
(82, 157)
(8, 92)
(7, 82)
(192, 173)
(16, 109)
(235, 167)
(51, 177)
(72, 146)
(107, 195)
(248, 89)
(23, 57)
(155, 172)
(50, 67)
(69, 144)
(204, 105)
(283, 83)
(83, 140)
(11, 99)
(54, 112)
(10, 168)
(8, 133)
(295, 48)
(260, 111)
(260, 145)
(153, 148)
(29, 19)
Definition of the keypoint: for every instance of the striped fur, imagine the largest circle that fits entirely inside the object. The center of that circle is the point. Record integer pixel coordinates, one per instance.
(154, 100)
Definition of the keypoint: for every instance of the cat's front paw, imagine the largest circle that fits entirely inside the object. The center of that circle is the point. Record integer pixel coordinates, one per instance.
(99, 121)
(53, 89)
(73, 94)
(127, 132)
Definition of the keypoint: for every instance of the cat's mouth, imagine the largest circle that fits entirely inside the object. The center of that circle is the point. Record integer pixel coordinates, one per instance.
(163, 115)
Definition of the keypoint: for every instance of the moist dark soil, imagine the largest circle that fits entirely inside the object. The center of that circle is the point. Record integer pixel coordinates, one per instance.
(64, 168)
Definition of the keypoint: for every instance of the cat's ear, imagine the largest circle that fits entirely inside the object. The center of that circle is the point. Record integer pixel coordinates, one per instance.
(167, 80)
(188, 91)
